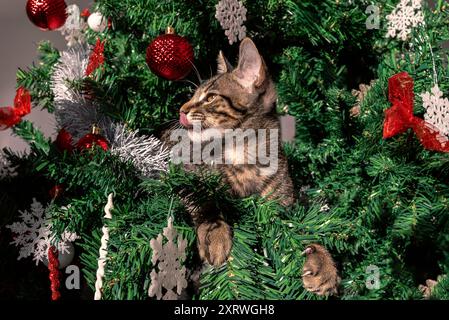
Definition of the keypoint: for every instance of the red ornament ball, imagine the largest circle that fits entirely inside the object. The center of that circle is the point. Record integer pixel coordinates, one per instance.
(64, 141)
(90, 140)
(170, 56)
(47, 14)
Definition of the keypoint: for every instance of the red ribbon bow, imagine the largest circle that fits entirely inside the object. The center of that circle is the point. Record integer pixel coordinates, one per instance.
(399, 118)
(10, 116)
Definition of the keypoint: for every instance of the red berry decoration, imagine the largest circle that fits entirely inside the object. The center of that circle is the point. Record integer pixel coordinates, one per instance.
(47, 14)
(93, 139)
(170, 56)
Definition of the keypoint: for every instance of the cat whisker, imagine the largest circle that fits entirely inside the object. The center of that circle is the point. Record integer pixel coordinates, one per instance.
(175, 125)
(193, 83)
(197, 72)
(205, 124)
(169, 122)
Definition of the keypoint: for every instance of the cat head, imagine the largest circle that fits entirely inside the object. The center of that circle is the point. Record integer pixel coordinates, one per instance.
(233, 95)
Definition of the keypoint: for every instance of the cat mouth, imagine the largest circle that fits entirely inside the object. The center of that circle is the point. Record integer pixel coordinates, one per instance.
(189, 124)
(184, 121)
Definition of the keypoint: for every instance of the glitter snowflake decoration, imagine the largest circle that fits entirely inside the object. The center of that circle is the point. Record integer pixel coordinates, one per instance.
(34, 237)
(437, 110)
(232, 14)
(169, 258)
(75, 27)
(406, 16)
(6, 169)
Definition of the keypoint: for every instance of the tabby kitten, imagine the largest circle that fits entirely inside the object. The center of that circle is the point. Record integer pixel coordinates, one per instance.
(244, 98)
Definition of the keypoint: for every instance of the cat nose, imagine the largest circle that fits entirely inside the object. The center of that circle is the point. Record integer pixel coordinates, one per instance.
(186, 108)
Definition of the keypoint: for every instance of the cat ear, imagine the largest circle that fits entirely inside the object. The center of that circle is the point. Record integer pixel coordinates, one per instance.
(251, 69)
(223, 64)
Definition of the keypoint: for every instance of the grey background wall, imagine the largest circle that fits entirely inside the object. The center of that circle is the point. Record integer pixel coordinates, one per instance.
(19, 38)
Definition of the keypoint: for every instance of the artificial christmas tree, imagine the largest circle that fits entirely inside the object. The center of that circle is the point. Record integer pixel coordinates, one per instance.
(379, 206)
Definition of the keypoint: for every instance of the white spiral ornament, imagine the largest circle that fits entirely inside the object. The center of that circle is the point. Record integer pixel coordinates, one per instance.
(103, 249)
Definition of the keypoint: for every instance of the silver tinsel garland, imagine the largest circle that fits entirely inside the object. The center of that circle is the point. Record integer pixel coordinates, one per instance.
(70, 68)
(147, 154)
(72, 111)
(76, 114)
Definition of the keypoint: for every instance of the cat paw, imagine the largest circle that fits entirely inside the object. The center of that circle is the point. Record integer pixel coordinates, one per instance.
(214, 242)
(319, 274)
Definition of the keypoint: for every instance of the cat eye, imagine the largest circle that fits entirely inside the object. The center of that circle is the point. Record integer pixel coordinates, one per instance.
(211, 98)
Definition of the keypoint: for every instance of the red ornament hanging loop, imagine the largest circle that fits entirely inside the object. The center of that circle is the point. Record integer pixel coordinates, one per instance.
(53, 267)
(399, 118)
(47, 14)
(170, 56)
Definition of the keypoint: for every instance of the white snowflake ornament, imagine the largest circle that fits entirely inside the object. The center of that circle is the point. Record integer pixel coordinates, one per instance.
(405, 16)
(232, 14)
(6, 169)
(168, 257)
(34, 237)
(437, 110)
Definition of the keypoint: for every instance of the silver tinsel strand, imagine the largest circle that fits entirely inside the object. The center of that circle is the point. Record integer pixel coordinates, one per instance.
(147, 154)
(71, 67)
(72, 110)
